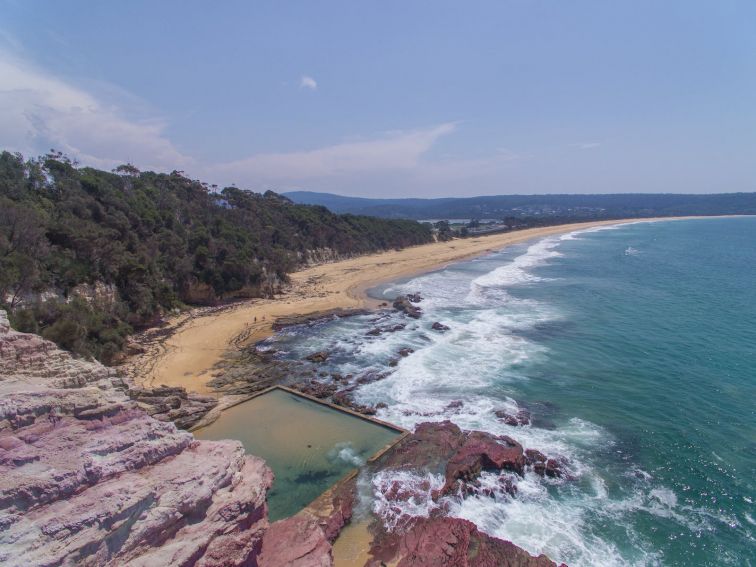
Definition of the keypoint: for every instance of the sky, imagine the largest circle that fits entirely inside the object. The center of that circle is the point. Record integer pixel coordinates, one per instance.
(392, 98)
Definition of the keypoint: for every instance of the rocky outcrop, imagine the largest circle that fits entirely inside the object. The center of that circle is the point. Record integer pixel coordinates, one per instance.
(314, 318)
(305, 539)
(461, 456)
(404, 304)
(481, 451)
(175, 404)
(318, 357)
(298, 541)
(452, 542)
(521, 417)
(28, 362)
(380, 330)
(544, 466)
(88, 478)
(422, 535)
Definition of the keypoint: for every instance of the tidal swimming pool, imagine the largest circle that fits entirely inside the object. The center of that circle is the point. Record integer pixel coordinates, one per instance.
(308, 444)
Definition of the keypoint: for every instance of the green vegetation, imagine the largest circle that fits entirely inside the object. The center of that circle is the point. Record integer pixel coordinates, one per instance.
(532, 209)
(86, 256)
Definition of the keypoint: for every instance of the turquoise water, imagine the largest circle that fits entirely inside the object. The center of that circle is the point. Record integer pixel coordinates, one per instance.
(634, 349)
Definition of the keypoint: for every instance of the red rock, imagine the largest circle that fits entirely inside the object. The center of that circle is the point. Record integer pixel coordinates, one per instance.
(483, 451)
(298, 541)
(532, 456)
(450, 542)
(522, 417)
(88, 478)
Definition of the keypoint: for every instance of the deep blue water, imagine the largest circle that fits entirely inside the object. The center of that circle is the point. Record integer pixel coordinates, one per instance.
(634, 348)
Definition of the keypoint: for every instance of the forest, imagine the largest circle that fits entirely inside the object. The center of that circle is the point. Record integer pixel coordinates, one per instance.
(533, 209)
(88, 256)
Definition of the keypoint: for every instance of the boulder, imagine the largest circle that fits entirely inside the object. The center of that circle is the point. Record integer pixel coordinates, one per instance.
(553, 467)
(439, 327)
(482, 451)
(521, 417)
(318, 357)
(403, 304)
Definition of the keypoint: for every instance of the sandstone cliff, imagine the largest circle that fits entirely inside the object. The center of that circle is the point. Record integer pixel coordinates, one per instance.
(94, 473)
(87, 477)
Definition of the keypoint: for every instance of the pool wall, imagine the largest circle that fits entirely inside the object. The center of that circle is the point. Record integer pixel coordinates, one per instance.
(396, 433)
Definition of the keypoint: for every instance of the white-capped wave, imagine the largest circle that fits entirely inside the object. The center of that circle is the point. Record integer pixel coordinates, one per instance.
(400, 495)
(540, 523)
(345, 452)
(518, 270)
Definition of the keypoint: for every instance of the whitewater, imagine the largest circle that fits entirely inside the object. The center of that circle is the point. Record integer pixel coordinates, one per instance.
(632, 348)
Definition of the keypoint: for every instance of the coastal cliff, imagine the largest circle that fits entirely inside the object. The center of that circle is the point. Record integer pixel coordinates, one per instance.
(87, 477)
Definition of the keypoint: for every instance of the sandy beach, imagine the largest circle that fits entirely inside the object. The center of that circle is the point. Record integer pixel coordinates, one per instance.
(197, 341)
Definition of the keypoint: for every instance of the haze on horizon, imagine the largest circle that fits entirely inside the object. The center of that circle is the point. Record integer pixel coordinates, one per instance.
(391, 99)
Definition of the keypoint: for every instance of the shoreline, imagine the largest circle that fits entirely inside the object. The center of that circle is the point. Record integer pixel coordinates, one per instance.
(188, 350)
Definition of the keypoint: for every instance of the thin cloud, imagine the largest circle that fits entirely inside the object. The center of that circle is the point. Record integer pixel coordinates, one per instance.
(587, 145)
(39, 112)
(398, 151)
(307, 82)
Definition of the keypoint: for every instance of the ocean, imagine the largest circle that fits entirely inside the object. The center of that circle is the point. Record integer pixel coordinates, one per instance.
(633, 347)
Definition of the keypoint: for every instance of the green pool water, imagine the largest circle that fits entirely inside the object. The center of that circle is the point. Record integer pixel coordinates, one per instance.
(309, 446)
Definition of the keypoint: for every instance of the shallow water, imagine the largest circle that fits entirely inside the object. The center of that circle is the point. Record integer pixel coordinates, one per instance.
(633, 347)
(308, 445)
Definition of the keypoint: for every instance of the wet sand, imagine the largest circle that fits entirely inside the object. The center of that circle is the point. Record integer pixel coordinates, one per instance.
(352, 546)
(197, 341)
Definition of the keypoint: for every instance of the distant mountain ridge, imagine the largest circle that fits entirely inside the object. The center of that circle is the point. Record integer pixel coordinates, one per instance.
(572, 206)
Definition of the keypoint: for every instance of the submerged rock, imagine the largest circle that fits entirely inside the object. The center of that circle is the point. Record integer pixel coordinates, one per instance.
(440, 327)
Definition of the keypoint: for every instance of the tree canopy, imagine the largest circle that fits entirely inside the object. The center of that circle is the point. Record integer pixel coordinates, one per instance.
(156, 241)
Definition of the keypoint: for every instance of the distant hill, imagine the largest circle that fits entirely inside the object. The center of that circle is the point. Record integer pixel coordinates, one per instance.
(572, 207)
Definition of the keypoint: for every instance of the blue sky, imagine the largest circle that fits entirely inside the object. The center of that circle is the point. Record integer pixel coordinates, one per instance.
(394, 98)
